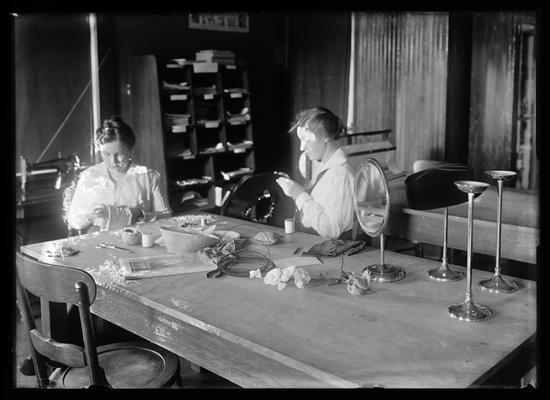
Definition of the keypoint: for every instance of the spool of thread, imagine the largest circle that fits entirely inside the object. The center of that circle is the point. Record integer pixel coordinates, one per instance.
(147, 239)
(289, 225)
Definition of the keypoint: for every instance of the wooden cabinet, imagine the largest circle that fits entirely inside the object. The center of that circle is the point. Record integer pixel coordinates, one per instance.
(201, 115)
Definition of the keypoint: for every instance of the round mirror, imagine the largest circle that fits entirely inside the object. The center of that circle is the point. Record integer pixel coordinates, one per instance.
(372, 207)
(372, 197)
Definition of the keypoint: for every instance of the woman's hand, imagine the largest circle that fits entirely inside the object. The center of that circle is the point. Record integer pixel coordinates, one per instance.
(137, 214)
(100, 211)
(291, 188)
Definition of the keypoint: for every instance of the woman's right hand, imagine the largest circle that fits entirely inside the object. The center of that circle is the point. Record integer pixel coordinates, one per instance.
(99, 211)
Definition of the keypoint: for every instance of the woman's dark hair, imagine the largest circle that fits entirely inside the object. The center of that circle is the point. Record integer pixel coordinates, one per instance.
(318, 119)
(114, 128)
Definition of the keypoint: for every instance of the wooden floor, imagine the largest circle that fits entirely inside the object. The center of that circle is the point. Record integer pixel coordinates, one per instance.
(191, 375)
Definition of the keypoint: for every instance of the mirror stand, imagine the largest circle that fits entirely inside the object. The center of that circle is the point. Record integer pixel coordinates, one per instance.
(468, 310)
(445, 273)
(497, 284)
(383, 272)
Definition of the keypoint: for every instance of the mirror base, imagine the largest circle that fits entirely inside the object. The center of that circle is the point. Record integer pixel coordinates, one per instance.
(445, 274)
(468, 311)
(384, 273)
(497, 284)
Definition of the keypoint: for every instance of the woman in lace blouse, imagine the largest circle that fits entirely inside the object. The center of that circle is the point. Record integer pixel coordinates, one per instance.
(116, 192)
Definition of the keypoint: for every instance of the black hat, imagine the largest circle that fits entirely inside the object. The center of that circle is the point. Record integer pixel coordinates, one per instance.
(435, 188)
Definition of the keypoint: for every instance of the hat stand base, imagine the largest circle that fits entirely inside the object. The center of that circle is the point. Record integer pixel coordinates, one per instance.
(468, 311)
(445, 274)
(497, 284)
(382, 273)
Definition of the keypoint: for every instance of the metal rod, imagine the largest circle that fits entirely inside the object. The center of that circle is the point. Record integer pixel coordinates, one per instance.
(470, 243)
(351, 83)
(445, 232)
(499, 211)
(382, 244)
(94, 70)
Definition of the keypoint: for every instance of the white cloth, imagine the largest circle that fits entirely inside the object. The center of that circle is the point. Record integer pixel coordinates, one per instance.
(140, 187)
(329, 208)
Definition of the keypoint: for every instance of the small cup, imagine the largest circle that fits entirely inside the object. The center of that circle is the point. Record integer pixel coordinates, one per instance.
(289, 225)
(147, 239)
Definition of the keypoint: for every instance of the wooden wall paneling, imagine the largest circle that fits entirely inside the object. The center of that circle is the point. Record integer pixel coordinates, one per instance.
(376, 66)
(401, 78)
(168, 35)
(492, 92)
(458, 91)
(108, 74)
(52, 69)
(524, 127)
(320, 51)
(422, 88)
(145, 115)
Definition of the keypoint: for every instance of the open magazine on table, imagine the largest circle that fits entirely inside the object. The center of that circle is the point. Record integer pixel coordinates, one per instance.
(164, 265)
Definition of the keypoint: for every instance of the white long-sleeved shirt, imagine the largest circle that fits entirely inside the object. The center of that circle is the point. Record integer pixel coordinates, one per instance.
(140, 187)
(329, 209)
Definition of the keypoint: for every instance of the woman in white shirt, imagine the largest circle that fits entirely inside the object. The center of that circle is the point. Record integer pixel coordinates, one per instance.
(327, 205)
(116, 192)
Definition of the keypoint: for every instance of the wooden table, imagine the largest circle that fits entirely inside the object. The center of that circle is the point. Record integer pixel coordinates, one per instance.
(398, 335)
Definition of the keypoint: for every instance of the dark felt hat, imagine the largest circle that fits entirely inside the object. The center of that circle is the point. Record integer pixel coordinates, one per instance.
(434, 187)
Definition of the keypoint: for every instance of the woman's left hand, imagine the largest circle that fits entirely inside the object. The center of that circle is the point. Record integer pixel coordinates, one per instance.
(291, 188)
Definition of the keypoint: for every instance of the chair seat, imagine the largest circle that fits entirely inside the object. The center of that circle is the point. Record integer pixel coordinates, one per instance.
(126, 365)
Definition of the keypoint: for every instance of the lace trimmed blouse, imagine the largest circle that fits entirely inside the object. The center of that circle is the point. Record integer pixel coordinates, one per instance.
(140, 187)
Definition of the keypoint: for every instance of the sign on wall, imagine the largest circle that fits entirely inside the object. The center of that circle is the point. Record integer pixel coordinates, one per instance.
(230, 22)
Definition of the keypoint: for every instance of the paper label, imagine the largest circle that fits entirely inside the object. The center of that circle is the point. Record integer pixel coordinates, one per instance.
(296, 262)
(179, 128)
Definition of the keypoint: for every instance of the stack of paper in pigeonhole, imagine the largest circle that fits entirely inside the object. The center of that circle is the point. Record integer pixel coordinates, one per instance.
(176, 91)
(238, 118)
(219, 56)
(177, 122)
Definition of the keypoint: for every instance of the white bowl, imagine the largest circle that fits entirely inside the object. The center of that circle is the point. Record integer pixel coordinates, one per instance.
(181, 241)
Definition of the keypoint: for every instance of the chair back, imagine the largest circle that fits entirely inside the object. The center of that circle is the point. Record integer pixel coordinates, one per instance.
(59, 284)
(54, 283)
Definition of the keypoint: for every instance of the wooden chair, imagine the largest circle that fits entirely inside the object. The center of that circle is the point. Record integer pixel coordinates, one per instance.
(118, 365)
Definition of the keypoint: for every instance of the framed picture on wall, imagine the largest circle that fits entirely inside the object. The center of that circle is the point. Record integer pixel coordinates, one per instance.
(229, 22)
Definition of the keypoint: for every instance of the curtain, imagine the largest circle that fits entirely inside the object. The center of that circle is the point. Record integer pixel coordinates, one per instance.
(319, 53)
(400, 81)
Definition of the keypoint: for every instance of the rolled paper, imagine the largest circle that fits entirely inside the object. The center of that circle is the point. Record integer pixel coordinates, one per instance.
(289, 225)
(147, 239)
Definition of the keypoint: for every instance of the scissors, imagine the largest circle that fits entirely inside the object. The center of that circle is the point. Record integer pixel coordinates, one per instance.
(111, 246)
